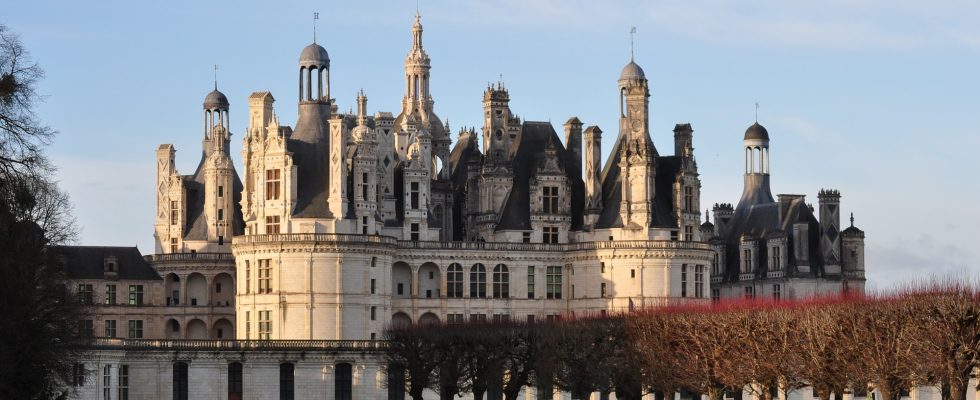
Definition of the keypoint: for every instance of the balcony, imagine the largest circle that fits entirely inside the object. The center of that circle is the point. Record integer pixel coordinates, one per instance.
(234, 345)
(746, 276)
(775, 274)
(189, 257)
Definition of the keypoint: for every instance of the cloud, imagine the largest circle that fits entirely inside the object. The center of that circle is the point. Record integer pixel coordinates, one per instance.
(912, 259)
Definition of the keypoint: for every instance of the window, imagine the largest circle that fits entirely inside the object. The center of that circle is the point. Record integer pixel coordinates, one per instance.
(573, 290)
(549, 234)
(396, 382)
(248, 325)
(549, 202)
(715, 295)
(749, 292)
(530, 281)
(109, 328)
(479, 318)
(401, 288)
(78, 375)
(343, 380)
(221, 214)
(123, 379)
(265, 325)
(673, 235)
(526, 237)
(110, 294)
(217, 288)
(221, 240)
(373, 285)
(777, 292)
(530, 318)
(364, 186)
(272, 224)
(699, 281)
(478, 281)
(715, 265)
(286, 381)
(688, 233)
(454, 281)
(272, 184)
(136, 295)
(553, 278)
(602, 290)
(248, 277)
(374, 311)
(746, 261)
(235, 381)
(174, 213)
(684, 280)
(221, 191)
(602, 267)
(454, 318)
(85, 294)
(501, 318)
(414, 196)
(265, 276)
(374, 262)
(180, 381)
(688, 199)
(632, 273)
(776, 259)
(135, 329)
(501, 282)
(415, 231)
(173, 245)
(86, 327)
(364, 225)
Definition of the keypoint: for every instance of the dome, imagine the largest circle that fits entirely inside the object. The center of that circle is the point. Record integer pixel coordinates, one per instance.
(314, 54)
(216, 100)
(632, 71)
(756, 132)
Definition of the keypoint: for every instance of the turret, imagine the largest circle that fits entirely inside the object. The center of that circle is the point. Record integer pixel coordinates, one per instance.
(637, 160)
(311, 138)
(496, 116)
(830, 230)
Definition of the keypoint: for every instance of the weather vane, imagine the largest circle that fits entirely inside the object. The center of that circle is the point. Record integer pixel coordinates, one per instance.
(632, 33)
(757, 112)
(316, 16)
(215, 76)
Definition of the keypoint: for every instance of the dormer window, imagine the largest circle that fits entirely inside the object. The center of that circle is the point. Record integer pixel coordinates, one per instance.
(109, 264)
(549, 202)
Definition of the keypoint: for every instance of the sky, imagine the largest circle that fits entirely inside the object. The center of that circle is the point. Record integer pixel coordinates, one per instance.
(875, 98)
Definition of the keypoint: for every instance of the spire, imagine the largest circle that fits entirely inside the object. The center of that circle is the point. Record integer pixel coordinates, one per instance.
(361, 108)
(417, 32)
(316, 16)
(707, 217)
(852, 220)
(632, 33)
(215, 76)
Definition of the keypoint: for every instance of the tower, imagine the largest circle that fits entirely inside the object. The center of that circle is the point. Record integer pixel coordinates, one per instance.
(310, 141)
(496, 117)
(363, 190)
(219, 172)
(830, 244)
(688, 186)
(637, 154)
(755, 144)
(593, 170)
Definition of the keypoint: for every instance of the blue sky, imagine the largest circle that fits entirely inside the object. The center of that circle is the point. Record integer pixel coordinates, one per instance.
(878, 99)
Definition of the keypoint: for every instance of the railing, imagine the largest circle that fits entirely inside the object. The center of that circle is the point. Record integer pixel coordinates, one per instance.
(189, 257)
(746, 276)
(775, 274)
(313, 237)
(233, 345)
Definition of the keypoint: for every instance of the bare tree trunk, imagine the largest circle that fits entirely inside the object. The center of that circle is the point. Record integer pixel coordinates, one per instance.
(716, 394)
(957, 390)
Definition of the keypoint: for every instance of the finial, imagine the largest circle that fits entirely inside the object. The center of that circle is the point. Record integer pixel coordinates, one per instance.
(852, 219)
(707, 216)
(215, 76)
(316, 16)
(632, 33)
(757, 112)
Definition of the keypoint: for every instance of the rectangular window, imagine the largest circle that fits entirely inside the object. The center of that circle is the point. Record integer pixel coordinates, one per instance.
(265, 325)
(107, 382)
(287, 381)
(373, 285)
(221, 214)
(135, 329)
(454, 318)
(746, 261)
(248, 325)
(632, 273)
(374, 312)
(530, 318)
(715, 295)
(78, 375)
(500, 318)
(688, 199)
(688, 233)
(549, 202)
(526, 237)
(136, 295)
(265, 276)
(86, 328)
(272, 224)
(272, 184)
(699, 281)
(173, 245)
(415, 231)
(602, 267)
(400, 289)
(180, 384)
(364, 186)
(85, 293)
(777, 292)
(530, 282)
(684, 280)
(549, 234)
(248, 277)
(553, 280)
(776, 259)
(602, 290)
(478, 318)
(414, 196)
(123, 387)
(221, 191)
(174, 213)
(749, 292)
(109, 330)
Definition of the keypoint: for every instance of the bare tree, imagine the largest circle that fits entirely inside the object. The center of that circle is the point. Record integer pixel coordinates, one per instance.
(884, 334)
(822, 346)
(411, 349)
(708, 338)
(655, 337)
(949, 334)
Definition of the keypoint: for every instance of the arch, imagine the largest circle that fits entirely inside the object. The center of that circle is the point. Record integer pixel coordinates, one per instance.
(172, 329)
(197, 289)
(454, 281)
(622, 102)
(478, 281)
(429, 319)
(197, 329)
(501, 282)
(429, 279)
(172, 289)
(401, 280)
(223, 329)
(748, 155)
(235, 381)
(223, 290)
(343, 381)
(400, 320)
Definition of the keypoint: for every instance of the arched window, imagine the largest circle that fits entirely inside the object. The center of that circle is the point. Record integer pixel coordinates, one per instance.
(501, 282)
(235, 381)
(180, 381)
(454, 281)
(343, 381)
(478, 281)
(286, 381)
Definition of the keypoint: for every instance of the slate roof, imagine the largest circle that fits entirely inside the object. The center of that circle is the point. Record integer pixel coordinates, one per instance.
(196, 225)
(309, 144)
(88, 262)
(666, 176)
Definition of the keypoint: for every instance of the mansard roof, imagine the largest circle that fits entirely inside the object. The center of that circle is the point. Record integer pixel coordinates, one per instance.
(529, 153)
(88, 262)
(612, 192)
